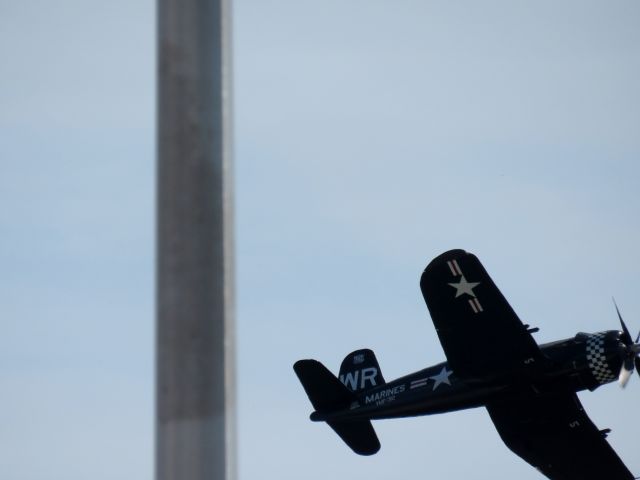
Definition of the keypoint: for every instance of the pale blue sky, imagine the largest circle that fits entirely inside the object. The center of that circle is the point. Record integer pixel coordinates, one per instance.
(369, 137)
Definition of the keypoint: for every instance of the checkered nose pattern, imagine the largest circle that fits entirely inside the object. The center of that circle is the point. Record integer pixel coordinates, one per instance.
(597, 360)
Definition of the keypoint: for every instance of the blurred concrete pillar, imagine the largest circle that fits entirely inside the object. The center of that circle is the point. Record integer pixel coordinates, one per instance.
(195, 385)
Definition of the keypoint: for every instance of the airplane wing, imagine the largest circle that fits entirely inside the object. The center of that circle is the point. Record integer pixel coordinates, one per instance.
(554, 434)
(481, 335)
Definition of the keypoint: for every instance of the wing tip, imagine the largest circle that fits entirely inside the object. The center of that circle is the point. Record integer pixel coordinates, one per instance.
(446, 256)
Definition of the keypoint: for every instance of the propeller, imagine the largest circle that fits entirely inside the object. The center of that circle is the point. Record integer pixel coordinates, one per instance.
(632, 350)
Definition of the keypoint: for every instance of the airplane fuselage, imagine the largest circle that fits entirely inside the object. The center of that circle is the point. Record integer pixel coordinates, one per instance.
(585, 361)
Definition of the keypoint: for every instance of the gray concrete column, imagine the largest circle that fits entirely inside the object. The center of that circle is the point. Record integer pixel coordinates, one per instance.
(195, 386)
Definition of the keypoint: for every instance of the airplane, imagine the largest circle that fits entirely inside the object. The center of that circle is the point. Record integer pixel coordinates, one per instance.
(494, 362)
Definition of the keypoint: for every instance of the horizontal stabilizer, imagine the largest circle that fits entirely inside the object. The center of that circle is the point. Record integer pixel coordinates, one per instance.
(328, 394)
(358, 434)
(324, 390)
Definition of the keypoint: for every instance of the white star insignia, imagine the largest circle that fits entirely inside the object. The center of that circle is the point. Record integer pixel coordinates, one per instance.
(463, 287)
(442, 377)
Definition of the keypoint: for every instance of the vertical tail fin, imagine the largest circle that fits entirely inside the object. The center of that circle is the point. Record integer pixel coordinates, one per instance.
(328, 394)
(360, 370)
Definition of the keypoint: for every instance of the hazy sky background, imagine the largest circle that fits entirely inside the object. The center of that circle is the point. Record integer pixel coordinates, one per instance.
(370, 136)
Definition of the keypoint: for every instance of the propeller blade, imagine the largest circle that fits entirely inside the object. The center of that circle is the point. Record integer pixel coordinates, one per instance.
(626, 338)
(637, 359)
(628, 362)
(624, 376)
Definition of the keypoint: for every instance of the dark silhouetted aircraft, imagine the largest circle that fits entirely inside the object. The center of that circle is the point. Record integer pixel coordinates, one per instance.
(528, 389)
